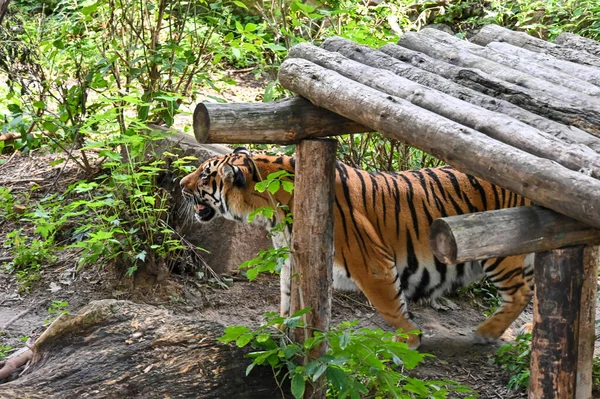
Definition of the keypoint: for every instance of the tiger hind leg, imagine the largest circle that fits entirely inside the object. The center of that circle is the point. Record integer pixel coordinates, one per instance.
(514, 280)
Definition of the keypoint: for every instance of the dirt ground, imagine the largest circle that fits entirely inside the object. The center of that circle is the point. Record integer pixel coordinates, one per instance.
(447, 334)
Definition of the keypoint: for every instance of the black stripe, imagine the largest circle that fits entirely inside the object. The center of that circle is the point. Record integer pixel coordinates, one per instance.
(411, 204)
(453, 180)
(477, 186)
(437, 181)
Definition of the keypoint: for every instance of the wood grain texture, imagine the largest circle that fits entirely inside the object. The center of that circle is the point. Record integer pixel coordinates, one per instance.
(283, 122)
(446, 78)
(505, 232)
(533, 93)
(543, 181)
(493, 124)
(495, 33)
(556, 315)
(587, 322)
(579, 43)
(312, 242)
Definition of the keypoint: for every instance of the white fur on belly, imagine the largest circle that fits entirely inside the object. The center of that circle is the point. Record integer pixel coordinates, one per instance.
(341, 281)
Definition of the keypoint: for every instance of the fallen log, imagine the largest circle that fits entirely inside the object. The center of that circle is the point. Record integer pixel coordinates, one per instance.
(14, 362)
(579, 43)
(495, 33)
(117, 349)
(284, 122)
(495, 125)
(543, 181)
(583, 72)
(522, 230)
(523, 62)
(534, 94)
(390, 57)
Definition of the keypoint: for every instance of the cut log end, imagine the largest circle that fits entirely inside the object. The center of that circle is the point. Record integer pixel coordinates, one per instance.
(442, 242)
(201, 123)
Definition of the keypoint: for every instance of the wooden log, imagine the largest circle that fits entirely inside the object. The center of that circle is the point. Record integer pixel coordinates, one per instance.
(312, 243)
(495, 33)
(493, 124)
(458, 54)
(284, 122)
(390, 57)
(522, 230)
(579, 43)
(583, 72)
(521, 62)
(543, 181)
(534, 94)
(587, 322)
(556, 314)
(121, 349)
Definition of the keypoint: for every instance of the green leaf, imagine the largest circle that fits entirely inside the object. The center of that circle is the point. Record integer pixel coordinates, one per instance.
(337, 378)
(232, 333)
(39, 104)
(250, 27)
(249, 368)
(274, 186)
(240, 4)
(298, 385)
(244, 339)
(288, 186)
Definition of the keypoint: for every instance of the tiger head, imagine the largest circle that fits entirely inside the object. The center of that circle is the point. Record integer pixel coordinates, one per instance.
(224, 186)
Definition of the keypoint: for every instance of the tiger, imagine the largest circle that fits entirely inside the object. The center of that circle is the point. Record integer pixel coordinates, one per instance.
(381, 232)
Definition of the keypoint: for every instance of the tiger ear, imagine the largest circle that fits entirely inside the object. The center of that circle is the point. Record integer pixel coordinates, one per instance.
(233, 174)
(241, 150)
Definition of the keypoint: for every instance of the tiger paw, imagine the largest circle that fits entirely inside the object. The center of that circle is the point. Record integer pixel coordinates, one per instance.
(413, 341)
(526, 328)
(443, 304)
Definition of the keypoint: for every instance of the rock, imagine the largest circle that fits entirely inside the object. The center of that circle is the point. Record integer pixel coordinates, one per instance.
(229, 243)
(120, 349)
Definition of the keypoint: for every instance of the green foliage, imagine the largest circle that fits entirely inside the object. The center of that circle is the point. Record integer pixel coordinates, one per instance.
(5, 350)
(358, 362)
(28, 257)
(483, 294)
(56, 309)
(515, 358)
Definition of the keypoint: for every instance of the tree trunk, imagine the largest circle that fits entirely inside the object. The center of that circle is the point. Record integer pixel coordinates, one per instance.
(520, 88)
(3, 9)
(556, 317)
(284, 122)
(523, 230)
(583, 72)
(495, 33)
(470, 151)
(521, 62)
(578, 43)
(495, 125)
(312, 243)
(389, 56)
(120, 349)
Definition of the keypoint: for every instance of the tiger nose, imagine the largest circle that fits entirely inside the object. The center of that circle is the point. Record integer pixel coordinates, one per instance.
(184, 182)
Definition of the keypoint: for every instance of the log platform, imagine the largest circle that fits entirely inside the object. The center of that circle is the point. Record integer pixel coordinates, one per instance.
(515, 110)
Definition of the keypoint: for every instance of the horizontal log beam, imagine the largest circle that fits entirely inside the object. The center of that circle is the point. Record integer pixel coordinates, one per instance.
(543, 181)
(516, 231)
(284, 122)
(493, 124)
(424, 70)
(495, 33)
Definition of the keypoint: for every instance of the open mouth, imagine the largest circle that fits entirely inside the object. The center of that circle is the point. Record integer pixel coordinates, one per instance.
(204, 212)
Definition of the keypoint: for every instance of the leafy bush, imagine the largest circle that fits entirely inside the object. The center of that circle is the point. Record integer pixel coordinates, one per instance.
(358, 362)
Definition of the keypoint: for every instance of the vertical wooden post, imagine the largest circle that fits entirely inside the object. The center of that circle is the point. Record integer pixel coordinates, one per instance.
(312, 242)
(556, 316)
(587, 322)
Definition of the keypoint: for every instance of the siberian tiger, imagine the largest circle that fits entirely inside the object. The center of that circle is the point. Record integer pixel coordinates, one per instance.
(381, 232)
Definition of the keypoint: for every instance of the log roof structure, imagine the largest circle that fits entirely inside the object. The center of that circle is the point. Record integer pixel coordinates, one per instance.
(515, 110)
(518, 111)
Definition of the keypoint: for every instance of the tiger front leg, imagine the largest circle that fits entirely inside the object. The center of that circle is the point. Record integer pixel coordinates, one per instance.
(382, 287)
